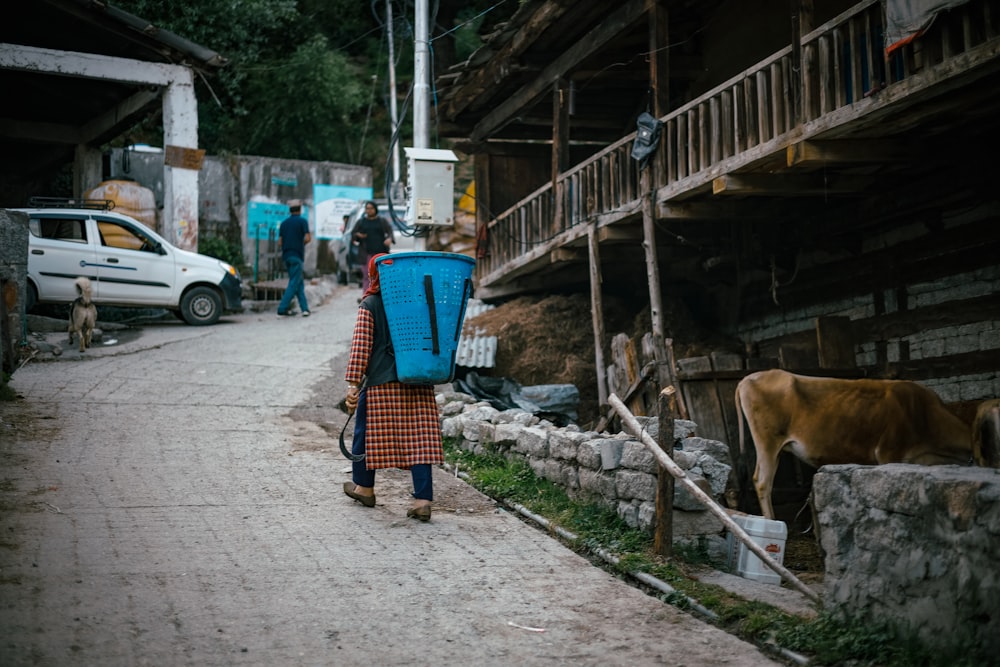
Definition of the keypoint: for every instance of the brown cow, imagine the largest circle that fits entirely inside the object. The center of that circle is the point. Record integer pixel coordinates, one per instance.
(825, 421)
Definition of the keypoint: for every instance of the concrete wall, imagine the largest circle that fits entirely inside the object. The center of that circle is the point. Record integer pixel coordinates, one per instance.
(614, 469)
(914, 544)
(13, 277)
(227, 185)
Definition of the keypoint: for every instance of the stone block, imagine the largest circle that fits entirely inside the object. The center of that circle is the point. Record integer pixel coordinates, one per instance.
(685, 500)
(598, 483)
(611, 453)
(483, 412)
(646, 515)
(916, 545)
(636, 456)
(635, 484)
(470, 428)
(588, 454)
(507, 434)
(563, 444)
(629, 513)
(714, 448)
(534, 441)
(451, 427)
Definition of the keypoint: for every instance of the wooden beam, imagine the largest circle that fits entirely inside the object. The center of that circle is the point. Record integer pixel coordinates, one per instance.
(585, 47)
(562, 255)
(618, 233)
(504, 61)
(708, 210)
(560, 128)
(597, 315)
(663, 536)
(788, 185)
(106, 125)
(849, 151)
(659, 58)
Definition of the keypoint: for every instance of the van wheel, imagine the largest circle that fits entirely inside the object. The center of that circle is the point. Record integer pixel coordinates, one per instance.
(201, 306)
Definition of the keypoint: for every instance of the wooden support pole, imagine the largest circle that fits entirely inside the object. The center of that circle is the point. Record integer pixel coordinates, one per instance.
(633, 426)
(663, 538)
(597, 315)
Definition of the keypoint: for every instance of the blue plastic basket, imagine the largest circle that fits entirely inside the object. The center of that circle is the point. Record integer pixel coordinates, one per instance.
(425, 294)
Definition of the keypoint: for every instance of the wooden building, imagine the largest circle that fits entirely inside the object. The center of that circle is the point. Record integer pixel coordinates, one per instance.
(825, 187)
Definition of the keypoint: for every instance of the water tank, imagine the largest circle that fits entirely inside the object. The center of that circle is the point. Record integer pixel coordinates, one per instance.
(130, 199)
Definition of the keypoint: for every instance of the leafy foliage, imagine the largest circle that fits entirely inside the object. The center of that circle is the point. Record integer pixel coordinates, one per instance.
(220, 248)
(308, 79)
(306, 102)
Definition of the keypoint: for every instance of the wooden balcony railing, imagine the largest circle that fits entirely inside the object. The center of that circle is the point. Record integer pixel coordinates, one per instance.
(749, 117)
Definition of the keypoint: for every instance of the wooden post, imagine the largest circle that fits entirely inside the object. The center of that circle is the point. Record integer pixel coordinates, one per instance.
(796, 75)
(633, 426)
(560, 146)
(663, 539)
(597, 315)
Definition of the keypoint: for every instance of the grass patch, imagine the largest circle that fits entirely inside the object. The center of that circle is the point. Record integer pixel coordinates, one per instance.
(825, 640)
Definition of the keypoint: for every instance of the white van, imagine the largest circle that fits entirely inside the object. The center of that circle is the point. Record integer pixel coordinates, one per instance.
(128, 264)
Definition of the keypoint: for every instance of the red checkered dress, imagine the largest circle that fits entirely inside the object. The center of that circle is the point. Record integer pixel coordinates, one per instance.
(403, 424)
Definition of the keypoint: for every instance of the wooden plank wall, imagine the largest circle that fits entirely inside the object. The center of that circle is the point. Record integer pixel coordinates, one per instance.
(708, 386)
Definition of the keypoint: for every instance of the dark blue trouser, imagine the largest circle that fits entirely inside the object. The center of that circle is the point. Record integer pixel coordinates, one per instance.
(423, 487)
(296, 286)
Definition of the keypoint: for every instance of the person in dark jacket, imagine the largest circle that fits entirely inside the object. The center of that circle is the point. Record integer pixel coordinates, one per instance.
(397, 425)
(374, 235)
(293, 235)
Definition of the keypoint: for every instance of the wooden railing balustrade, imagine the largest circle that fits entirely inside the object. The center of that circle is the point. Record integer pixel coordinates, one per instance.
(748, 117)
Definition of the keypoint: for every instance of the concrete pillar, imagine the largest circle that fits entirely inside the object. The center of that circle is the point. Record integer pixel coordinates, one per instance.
(180, 185)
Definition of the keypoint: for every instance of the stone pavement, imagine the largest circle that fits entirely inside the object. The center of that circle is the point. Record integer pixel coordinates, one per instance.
(163, 504)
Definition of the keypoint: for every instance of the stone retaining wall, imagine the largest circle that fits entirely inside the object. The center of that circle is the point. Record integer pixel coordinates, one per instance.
(616, 469)
(916, 544)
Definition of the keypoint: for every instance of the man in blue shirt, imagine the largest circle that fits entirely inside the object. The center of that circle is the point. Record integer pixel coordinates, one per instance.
(293, 235)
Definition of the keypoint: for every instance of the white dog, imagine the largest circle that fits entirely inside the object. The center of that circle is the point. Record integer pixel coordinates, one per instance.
(83, 314)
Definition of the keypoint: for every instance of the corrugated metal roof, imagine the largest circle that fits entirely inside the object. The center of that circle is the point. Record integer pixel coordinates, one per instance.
(476, 350)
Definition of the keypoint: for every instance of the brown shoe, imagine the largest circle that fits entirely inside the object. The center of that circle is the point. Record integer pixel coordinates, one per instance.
(423, 513)
(367, 501)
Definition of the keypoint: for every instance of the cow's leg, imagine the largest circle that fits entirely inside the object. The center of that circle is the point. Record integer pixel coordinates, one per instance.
(763, 482)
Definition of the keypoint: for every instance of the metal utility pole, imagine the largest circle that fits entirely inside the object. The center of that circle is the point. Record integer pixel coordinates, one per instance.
(421, 78)
(392, 104)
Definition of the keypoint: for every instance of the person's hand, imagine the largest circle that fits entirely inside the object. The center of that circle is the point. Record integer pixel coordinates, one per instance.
(351, 401)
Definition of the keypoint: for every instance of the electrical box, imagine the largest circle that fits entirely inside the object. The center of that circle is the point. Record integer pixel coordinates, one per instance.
(432, 187)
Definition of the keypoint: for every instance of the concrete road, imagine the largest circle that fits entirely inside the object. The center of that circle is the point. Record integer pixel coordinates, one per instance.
(176, 500)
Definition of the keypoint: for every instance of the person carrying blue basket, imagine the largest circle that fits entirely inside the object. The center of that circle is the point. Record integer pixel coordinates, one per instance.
(397, 425)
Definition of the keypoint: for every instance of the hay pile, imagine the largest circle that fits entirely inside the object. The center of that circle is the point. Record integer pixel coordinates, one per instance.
(546, 340)
(550, 340)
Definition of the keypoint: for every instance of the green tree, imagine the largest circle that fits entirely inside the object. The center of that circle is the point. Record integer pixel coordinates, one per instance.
(309, 79)
(307, 104)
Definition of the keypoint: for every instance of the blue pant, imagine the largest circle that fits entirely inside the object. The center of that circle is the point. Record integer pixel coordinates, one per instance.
(423, 487)
(296, 287)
